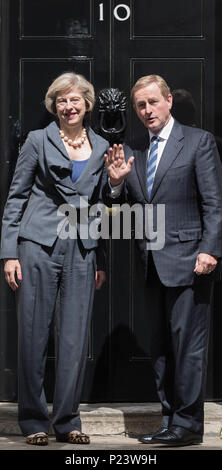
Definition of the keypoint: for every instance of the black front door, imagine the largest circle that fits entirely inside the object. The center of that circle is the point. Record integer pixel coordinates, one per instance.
(112, 44)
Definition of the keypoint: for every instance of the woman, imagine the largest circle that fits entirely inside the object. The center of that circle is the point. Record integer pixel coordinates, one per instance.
(59, 166)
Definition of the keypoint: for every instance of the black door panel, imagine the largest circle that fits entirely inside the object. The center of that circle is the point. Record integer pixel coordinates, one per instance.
(111, 44)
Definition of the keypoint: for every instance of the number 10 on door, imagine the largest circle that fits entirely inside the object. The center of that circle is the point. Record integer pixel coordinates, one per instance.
(125, 12)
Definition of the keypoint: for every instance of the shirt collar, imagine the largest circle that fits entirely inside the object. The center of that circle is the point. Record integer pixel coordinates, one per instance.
(165, 131)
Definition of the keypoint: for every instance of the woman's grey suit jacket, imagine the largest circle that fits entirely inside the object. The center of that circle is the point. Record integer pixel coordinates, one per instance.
(42, 183)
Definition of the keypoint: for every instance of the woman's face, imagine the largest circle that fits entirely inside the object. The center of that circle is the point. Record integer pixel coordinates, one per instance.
(71, 107)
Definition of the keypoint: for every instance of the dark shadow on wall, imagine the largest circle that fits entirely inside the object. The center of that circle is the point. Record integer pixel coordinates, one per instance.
(184, 111)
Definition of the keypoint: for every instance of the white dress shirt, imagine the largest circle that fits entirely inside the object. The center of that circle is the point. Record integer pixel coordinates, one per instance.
(163, 137)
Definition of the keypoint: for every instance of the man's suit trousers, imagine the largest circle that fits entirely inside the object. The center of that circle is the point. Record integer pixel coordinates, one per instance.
(178, 342)
(69, 269)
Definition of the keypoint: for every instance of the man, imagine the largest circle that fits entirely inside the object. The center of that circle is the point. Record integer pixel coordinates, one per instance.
(181, 169)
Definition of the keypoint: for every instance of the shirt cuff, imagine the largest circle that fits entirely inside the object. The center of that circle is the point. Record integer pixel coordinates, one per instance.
(115, 191)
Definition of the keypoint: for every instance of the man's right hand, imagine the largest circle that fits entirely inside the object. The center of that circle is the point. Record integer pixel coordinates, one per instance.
(116, 165)
(12, 267)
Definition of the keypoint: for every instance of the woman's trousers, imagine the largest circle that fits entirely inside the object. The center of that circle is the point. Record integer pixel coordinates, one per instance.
(68, 268)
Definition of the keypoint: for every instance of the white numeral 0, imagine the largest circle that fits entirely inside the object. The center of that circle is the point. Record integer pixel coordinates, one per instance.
(115, 12)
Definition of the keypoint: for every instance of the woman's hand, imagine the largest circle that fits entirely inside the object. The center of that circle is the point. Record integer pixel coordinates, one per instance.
(116, 165)
(100, 279)
(12, 267)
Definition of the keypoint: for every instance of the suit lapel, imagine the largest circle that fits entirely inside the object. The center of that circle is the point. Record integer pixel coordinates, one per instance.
(89, 177)
(52, 132)
(141, 165)
(171, 150)
(60, 165)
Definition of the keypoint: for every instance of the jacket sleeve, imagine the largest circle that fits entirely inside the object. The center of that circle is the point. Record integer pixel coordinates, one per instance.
(101, 255)
(101, 249)
(209, 180)
(18, 197)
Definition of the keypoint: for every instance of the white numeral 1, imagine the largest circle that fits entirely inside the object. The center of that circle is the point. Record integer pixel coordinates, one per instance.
(101, 12)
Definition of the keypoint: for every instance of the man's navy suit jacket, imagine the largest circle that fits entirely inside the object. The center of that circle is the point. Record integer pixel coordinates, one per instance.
(188, 182)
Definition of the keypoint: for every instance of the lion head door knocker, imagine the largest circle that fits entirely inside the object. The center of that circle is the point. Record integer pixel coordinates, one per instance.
(112, 111)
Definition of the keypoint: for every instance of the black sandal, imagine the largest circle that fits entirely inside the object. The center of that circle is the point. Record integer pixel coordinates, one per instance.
(74, 438)
(39, 439)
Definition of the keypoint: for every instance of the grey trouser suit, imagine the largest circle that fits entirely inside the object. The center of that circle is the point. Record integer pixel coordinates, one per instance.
(41, 184)
(71, 268)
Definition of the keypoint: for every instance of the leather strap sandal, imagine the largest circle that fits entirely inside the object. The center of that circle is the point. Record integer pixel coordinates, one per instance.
(38, 439)
(74, 438)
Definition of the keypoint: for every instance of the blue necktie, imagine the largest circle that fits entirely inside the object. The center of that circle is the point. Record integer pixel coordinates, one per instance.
(151, 166)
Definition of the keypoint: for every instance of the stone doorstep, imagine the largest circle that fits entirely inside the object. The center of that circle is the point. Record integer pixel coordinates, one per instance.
(116, 418)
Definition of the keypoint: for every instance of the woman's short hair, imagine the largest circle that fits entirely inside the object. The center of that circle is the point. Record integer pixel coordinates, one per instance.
(147, 80)
(63, 83)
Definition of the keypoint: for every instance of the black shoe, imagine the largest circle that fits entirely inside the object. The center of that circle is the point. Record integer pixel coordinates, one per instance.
(148, 438)
(178, 436)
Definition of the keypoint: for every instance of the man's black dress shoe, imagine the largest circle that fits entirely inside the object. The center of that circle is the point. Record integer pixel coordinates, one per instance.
(178, 436)
(148, 438)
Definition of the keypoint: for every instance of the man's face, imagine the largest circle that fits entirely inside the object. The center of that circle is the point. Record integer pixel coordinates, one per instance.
(152, 108)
